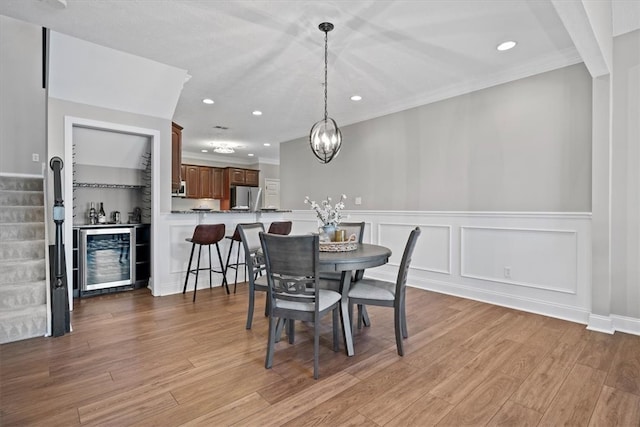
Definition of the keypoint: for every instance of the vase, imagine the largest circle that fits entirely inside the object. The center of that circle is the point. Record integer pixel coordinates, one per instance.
(329, 231)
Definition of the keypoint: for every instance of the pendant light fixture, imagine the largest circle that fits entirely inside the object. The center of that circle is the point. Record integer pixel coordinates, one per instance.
(325, 137)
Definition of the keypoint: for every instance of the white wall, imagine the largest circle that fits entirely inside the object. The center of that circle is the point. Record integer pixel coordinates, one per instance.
(519, 146)
(625, 202)
(22, 98)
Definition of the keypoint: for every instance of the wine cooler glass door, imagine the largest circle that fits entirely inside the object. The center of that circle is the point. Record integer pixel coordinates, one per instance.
(107, 258)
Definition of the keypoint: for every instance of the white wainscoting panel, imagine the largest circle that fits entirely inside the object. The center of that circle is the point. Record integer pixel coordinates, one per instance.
(544, 259)
(432, 251)
(465, 254)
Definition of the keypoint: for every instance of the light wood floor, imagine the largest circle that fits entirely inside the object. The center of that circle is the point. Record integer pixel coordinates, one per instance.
(137, 360)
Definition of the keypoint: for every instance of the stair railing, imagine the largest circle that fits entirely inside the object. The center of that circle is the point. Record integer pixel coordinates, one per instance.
(60, 318)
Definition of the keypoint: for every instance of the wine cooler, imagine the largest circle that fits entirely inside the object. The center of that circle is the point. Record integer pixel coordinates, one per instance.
(106, 258)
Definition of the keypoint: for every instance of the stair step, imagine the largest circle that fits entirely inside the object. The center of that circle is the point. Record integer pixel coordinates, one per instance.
(21, 198)
(16, 295)
(22, 250)
(20, 214)
(22, 271)
(22, 323)
(21, 183)
(23, 231)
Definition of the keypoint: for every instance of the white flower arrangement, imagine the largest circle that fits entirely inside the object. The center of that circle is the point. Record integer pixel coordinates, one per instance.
(327, 213)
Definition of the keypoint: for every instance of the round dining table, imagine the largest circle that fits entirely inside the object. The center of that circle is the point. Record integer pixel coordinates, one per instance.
(365, 256)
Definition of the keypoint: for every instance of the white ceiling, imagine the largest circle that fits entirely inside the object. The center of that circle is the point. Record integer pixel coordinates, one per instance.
(268, 55)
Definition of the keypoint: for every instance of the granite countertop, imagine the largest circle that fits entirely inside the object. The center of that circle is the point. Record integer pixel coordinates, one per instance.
(199, 211)
(108, 225)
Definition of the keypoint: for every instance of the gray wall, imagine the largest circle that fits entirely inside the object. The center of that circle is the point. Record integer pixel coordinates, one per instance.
(625, 188)
(22, 98)
(520, 146)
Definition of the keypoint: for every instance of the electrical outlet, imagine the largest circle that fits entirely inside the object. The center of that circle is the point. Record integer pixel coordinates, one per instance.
(35, 157)
(358, 200)
(507, 272)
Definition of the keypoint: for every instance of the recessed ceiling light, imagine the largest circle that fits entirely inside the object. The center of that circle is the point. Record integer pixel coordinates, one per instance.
(356, 98)
(208, 101)
(266, 144)
(257, 113)
(250, 154)
(205, 151)
(506, 45)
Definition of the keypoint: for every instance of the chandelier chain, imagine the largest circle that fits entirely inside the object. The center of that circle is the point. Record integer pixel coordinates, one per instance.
(326, 54)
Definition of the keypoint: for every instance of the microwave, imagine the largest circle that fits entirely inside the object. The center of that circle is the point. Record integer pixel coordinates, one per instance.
(182, 190)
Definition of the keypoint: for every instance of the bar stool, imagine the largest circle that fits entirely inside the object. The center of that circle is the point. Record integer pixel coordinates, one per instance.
(234, 239)
(205, 234)
(280, 227)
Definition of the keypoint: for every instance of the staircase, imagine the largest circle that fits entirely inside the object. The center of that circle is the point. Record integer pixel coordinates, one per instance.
(23, 288)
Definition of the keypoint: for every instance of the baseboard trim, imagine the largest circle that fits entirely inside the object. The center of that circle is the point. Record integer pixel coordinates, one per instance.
(572, 314)
(602, 324)
(629, 325)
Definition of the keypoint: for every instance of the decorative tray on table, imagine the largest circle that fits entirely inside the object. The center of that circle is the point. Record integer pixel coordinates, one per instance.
(338, 246)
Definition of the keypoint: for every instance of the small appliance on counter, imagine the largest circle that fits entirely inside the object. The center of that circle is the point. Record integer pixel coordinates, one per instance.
(135, 217)
(115, 217)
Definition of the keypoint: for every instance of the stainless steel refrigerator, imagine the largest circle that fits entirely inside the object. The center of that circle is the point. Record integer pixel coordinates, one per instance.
(246, 198)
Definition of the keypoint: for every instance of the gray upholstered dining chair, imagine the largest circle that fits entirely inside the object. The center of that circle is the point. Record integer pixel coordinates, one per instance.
(351, 228)
(387, 294)
(250, 238)
(292, 264)
(357, 229)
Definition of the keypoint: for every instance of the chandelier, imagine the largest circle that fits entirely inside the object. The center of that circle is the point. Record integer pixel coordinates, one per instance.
(223, 148)
(325, 138)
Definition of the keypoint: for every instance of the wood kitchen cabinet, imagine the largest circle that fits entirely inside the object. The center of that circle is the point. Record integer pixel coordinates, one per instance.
(218, 183)
(203, 182)
(193, 181)
(206, 182)
(236, 176)
(176, 156)
(249, 177)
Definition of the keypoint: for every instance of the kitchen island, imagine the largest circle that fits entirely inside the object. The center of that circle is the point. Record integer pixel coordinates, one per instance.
(174, 250)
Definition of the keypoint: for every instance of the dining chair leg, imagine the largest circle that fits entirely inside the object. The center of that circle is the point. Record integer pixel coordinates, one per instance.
(291, 330)
(359, 316)
(316, 348)
(335, 322)
(397, 317)
(280, 324)
(195, 285)
(186, 279)
(272, 342)
(251, 304)
(351, 318)
(365, 316)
